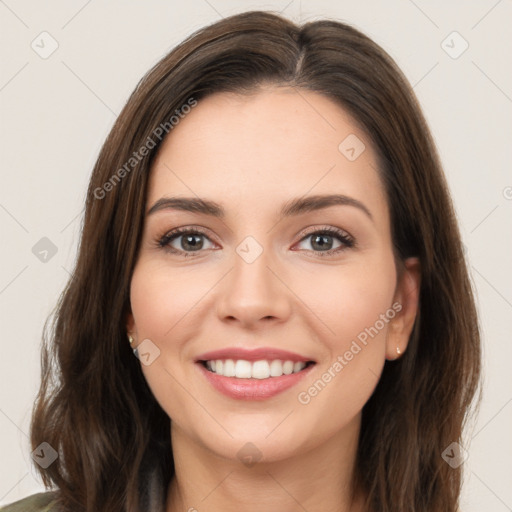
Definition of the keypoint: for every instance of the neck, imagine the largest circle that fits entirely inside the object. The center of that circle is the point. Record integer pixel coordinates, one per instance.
(317, 480)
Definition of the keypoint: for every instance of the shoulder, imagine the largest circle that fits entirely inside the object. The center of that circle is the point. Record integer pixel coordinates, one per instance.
(41, 502)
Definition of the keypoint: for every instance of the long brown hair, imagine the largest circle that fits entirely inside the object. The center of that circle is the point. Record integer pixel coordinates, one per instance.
(94, 406)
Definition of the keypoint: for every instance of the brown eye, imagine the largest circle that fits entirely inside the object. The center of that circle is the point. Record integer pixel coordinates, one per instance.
(191, 242)
(184, 241)
(328, 241)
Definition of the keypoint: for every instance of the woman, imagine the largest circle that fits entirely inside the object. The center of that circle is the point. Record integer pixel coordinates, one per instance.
(269, 231)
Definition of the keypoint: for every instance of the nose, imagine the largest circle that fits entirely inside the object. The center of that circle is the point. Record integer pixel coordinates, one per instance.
(254, 292)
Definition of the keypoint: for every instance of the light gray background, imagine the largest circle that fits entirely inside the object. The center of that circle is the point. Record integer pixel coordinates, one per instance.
(56, 112)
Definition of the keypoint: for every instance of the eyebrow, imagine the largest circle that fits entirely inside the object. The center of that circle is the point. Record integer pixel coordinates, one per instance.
(293, 207)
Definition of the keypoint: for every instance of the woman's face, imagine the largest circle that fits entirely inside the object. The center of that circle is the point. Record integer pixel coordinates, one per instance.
(265, 275)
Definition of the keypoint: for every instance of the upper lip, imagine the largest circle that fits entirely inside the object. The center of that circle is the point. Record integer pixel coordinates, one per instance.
(257, 354)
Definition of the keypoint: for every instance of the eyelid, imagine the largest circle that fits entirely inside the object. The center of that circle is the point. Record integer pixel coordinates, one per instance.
(170, 235)
(328, 228)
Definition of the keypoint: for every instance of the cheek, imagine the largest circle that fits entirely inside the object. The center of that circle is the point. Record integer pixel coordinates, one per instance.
(357, 310)
(161, 300)
(349, 299)
(160, 304)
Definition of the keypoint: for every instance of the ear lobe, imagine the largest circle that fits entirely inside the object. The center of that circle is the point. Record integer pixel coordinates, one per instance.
(407, 296)
(130, 325)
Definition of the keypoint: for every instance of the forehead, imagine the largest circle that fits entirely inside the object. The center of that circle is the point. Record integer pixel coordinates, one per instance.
(250, 150)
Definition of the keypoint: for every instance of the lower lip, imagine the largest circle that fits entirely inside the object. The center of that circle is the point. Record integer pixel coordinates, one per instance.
(253, 389)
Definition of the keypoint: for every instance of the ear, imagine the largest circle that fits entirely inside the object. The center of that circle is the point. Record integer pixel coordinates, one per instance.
(131, 328)
(405, 303)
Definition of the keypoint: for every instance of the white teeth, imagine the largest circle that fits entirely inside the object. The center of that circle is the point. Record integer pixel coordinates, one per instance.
(297, 367)
(243, 369)
(288, 367)
(276, 368)
(262, 369)
(229, 368)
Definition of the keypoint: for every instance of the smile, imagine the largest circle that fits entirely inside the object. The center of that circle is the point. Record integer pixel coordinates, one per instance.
(263, 369)
(253, 374)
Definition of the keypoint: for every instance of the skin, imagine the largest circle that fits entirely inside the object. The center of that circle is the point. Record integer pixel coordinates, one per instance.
(252, 154)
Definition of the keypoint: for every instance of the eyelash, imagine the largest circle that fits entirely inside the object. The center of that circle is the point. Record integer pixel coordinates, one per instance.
(347, 241)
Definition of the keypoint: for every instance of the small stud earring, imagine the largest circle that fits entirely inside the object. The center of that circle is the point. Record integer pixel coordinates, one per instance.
(130, 339)
(398, 350)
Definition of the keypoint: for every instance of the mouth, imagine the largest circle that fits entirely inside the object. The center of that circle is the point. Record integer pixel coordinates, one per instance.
(260, 369)
(253, 374)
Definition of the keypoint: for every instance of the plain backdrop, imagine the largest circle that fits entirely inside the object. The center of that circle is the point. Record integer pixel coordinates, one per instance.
(57, 108)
